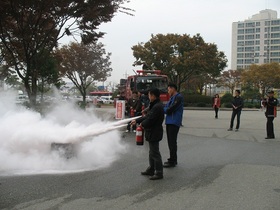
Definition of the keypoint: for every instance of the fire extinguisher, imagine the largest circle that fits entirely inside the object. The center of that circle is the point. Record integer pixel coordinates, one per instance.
(139, 135)
(143, 107)
(131, 112)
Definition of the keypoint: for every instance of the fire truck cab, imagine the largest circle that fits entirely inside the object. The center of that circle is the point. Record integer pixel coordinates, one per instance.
(146, 79)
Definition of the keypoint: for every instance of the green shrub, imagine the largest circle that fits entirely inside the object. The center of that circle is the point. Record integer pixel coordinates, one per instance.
(227, 105)
(194, 99)
(201, 104)
(258, 106)
(227, 98)
(250, 105)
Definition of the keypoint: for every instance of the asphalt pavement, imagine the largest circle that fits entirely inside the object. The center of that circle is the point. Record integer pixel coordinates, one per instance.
(217, 169)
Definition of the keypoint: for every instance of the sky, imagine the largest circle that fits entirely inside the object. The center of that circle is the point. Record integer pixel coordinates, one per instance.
(212, 19)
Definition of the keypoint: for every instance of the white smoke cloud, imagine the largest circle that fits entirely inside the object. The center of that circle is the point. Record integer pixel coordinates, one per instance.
(26, 138)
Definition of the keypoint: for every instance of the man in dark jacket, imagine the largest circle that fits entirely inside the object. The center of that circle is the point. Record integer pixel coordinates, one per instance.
(174, 115)
(271, 110)
(237, 105)
(152, 124)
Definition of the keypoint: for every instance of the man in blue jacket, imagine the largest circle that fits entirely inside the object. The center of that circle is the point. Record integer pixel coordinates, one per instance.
(174, 115)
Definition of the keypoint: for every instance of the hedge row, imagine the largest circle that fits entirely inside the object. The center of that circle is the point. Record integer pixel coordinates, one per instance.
(206, 101)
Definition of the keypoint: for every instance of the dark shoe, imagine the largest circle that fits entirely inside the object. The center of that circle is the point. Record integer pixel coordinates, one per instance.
(269, 137)
(169, 165)
(147, 173)
(230, 129)
(156, 177)
(236, 130)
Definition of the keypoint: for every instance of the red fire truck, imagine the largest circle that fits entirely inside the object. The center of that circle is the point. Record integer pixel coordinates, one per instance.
(146, 79)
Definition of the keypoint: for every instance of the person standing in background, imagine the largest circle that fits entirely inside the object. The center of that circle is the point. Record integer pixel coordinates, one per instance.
(237, 105)
(216, 104)
(173, 120)
(270, 113)
(134, 108)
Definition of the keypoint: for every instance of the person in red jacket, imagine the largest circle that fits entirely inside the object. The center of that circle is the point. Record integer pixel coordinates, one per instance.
(216, 104)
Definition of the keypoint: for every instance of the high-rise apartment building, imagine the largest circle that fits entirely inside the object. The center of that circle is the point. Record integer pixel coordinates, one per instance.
(256, 40)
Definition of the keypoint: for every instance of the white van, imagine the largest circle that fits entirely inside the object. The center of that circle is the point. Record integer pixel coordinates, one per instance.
(107, 99)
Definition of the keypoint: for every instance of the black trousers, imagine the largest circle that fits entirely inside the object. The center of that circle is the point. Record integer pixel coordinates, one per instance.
(270, 127)
(172, 133)
(216, 111)
(235, 113)
(155, 159)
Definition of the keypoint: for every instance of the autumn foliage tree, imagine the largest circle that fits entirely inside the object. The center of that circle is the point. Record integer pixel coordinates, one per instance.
(230, 79)
(84, 64)
(29, 28)
(180, 56)
(262, 77)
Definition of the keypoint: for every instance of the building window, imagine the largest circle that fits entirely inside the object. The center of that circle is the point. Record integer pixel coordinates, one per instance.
(275, 41)
(274, 48)
(252, 24)
(258, 23)
(239, 55)
(277, 60)
(240, 31)
(275, 54)
(240, 43)
(257, 42)
(240, 37)
(249, 49)
(258, 30)
(257, 48)
(275, 29)
(252, 36)
(240, 49)
(275, 22)
(258, 36)
(249, 30)
(249, 43)
(249, 61)
(267, 23)
(257, 60)
(239, 61)
(249, 55)
(275, 35)
(240, 25)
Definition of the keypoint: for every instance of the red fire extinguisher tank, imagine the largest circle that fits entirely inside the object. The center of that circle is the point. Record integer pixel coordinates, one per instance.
(131, 112)
(139, 135)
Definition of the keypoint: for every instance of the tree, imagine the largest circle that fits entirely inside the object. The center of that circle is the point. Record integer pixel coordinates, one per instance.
(84, 64)
(29, 28)
(250, 93)
(180, 56)
(263, 77)
(49, 73)
(230, 79)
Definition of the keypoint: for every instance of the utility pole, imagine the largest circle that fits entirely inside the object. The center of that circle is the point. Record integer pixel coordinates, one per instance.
(125, 75)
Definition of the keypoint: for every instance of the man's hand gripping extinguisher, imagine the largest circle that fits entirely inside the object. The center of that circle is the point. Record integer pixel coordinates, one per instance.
(139, 135)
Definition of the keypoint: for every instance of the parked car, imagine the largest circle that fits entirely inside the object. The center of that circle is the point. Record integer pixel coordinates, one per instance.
(107, 99)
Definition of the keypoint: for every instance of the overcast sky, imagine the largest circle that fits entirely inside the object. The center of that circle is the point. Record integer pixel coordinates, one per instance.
(211, 18)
